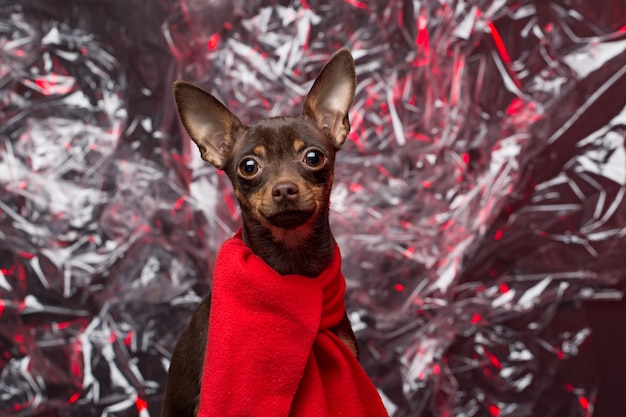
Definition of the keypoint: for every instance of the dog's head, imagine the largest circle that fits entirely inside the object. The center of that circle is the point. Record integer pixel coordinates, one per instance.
(281, 168)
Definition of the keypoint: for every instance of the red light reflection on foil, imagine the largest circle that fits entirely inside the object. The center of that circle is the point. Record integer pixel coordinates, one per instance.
(141, 404)
(504, 54)
(516, 105)
(422, 42)
(48, 85)
(213, 41)
(584, 403)
(420, 137)
(384, 171)
(494, 410)
(399, 287)
(356, 3)
(128, 339)
(354, 137)
(1, 307)
(355, 187)
(74, 398)
(446, 225)
(499, 44)
(459, 65)
(179, 203)
(498, 234)
(494, 361)
(63, 325)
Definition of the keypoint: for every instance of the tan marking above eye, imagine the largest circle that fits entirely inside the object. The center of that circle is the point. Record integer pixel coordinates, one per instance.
(259, 150)
(298, 145)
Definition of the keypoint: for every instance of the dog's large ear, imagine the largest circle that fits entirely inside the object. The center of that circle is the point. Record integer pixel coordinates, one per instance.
(207, 121)
(331, 96)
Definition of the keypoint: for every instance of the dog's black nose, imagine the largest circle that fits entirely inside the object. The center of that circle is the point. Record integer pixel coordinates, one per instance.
(285, 191)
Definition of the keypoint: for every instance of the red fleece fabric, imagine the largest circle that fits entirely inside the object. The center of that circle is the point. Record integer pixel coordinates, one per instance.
(270, 351)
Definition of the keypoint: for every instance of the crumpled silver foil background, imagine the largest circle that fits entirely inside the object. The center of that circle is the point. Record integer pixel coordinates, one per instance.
(478, 201)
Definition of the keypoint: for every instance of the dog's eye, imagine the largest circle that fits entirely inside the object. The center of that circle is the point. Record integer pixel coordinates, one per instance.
(248, 167)
(314, 158)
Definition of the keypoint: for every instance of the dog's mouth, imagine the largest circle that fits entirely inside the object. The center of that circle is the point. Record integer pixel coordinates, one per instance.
(289, 218)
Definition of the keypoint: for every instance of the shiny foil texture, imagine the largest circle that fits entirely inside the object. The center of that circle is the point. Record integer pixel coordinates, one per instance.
(478, 202)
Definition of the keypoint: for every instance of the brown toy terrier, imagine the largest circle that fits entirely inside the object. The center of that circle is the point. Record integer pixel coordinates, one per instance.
(281, 170)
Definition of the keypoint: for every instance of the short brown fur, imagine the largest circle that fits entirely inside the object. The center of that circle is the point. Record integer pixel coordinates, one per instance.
(282, 171)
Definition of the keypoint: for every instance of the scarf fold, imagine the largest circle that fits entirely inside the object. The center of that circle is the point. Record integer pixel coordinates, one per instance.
(270, 351)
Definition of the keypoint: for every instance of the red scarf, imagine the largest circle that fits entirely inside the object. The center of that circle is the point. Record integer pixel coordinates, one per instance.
(270, 351)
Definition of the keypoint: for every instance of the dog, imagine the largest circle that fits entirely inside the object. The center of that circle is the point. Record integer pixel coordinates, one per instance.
(282, 171)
